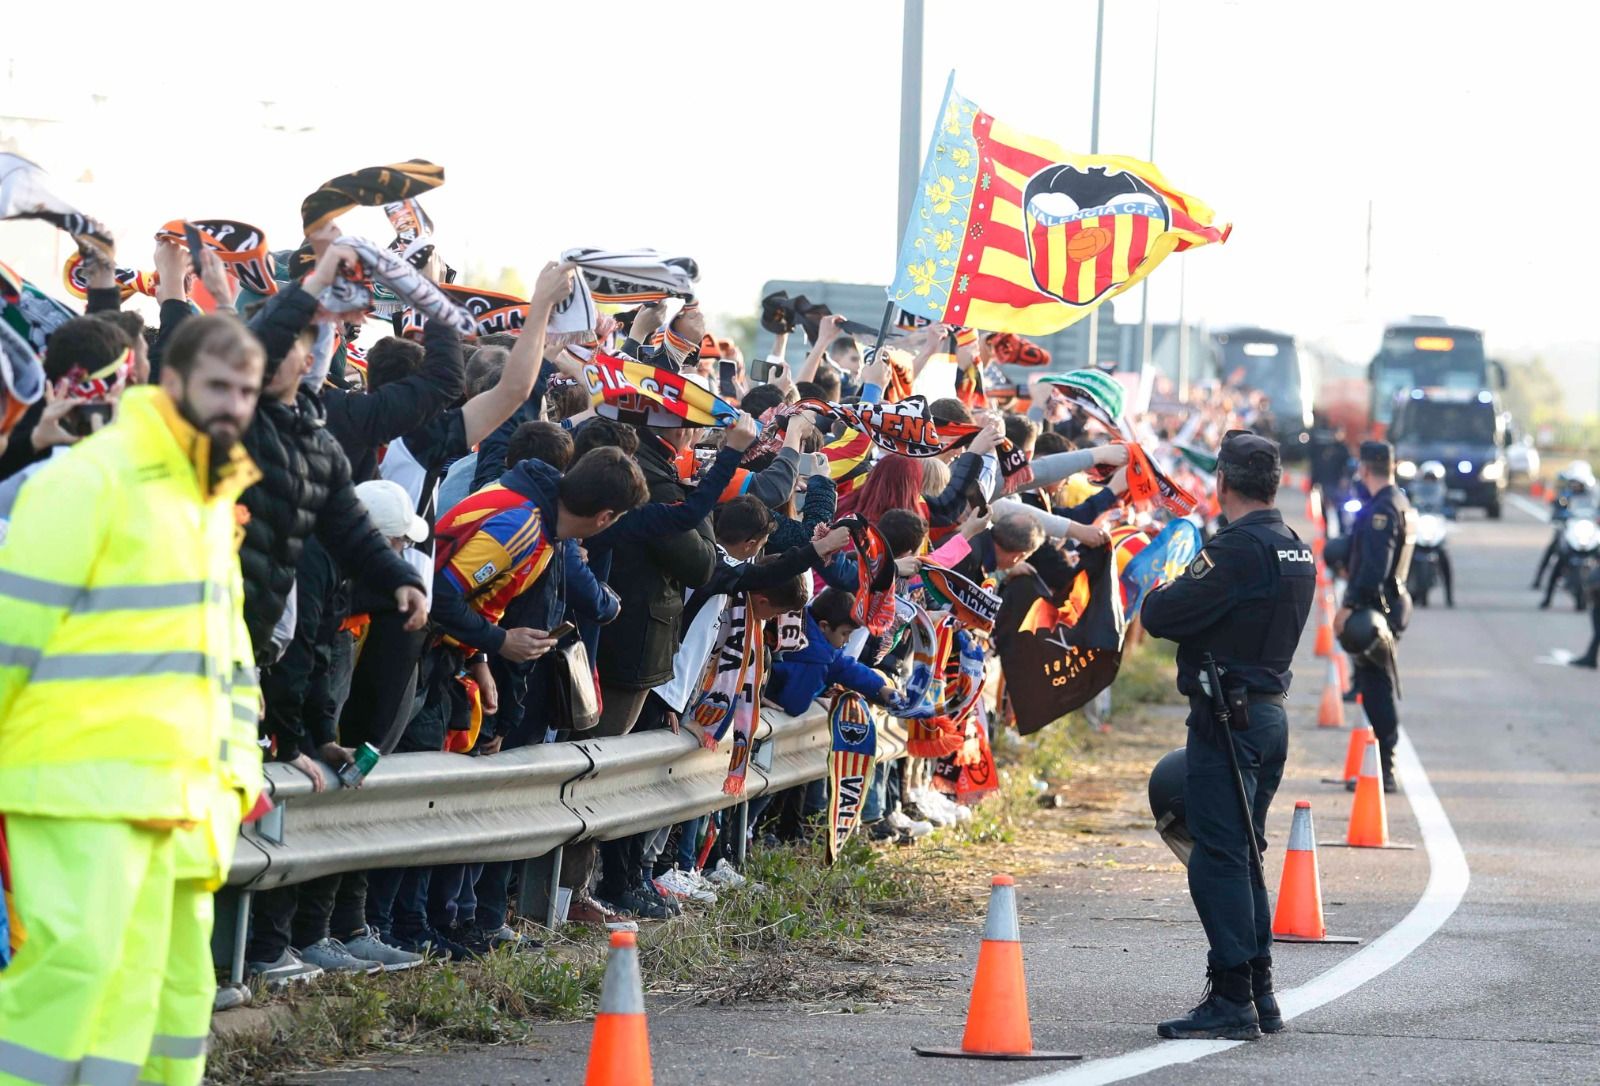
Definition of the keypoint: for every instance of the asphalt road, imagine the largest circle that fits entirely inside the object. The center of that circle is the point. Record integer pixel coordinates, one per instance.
(1506, 990)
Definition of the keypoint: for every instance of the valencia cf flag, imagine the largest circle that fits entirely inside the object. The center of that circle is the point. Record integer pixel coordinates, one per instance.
(1012, 233)
(1057, 654)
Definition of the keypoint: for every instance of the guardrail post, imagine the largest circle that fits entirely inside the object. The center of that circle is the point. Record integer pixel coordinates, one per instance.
(232, 930)
(741, 826)
(540, 886)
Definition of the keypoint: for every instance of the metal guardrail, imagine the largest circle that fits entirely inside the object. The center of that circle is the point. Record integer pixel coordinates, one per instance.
(418, 809)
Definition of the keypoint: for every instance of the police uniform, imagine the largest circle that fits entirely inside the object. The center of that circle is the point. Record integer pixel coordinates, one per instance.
(1244, 599)
(1381, 540)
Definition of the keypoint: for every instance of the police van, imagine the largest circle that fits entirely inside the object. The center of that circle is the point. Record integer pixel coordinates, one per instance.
(1463, 430)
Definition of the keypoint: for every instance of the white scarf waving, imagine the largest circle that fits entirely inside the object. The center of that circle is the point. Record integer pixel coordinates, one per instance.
(616, 277)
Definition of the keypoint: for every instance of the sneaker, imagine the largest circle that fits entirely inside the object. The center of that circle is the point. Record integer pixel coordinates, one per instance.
(882, 830)
(287, 970)
(937, 807)
(332, 956)
(915, 827)
(650, 890)
(586, 910)
(504, 935)
(687, 885)
(963, 814)
(1389, 785)
(642, 905)
(1589, 662)
(922, 807)
(433, 944)
(472, 937)
(725, 877)
(230, 996)
(368, 946)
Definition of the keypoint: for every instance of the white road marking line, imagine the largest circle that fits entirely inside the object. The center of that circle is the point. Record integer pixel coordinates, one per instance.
(1448, 876)
(1529, 506)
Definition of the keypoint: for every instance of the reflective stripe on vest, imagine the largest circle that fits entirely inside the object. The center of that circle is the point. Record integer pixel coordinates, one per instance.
(148, 597)
(119, 665)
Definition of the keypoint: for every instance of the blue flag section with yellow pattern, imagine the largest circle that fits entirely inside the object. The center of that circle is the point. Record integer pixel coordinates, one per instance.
(1162, 559)
(850, 759)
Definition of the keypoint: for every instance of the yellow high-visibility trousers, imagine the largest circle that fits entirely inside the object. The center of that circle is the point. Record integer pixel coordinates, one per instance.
(114, 984)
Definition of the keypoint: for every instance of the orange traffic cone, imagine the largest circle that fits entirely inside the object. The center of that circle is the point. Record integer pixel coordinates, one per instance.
(997, 1017)
(1324, 645)
(619, 1055)
(1298, 917)
(1355, 753)
(1369, 816)
(1342, 667)
(1536, 489)
(1330, 714)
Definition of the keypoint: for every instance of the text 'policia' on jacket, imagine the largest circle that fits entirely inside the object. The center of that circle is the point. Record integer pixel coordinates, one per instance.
(1230, 603)
(127, 687)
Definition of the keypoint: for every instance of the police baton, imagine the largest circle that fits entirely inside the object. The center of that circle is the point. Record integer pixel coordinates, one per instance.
(1222, 716)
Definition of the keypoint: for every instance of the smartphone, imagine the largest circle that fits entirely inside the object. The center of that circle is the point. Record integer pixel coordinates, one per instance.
(192, 235)
(562, 630)
(727, 369)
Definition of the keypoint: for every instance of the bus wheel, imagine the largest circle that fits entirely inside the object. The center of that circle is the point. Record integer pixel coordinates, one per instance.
(1493, 509)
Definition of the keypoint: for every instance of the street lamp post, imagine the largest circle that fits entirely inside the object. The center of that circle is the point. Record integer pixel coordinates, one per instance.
(1094, 149)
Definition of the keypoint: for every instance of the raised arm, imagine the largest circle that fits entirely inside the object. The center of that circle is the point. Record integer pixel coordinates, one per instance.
(490, 408)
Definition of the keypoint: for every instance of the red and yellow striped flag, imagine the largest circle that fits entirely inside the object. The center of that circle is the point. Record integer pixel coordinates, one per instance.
(1011, 233)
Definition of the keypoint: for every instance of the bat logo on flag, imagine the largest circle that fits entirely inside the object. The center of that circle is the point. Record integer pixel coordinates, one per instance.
(1089, 230)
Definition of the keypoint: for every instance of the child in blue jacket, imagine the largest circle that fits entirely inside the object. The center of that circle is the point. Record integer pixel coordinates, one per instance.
(799, 677)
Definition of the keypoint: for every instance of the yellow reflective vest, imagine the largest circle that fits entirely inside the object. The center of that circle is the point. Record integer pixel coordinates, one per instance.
(127, 685)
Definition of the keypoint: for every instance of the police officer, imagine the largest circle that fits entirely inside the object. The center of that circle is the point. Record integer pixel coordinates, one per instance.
(1380, 557)
(1244, 599)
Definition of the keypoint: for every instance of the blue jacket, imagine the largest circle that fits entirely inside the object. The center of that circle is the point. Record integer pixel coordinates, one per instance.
(798, 678)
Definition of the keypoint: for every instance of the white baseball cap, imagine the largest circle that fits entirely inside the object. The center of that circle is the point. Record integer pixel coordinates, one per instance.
(391, 510)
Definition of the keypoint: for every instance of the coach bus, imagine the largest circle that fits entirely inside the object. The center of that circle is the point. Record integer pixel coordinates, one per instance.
(1426, 352)
(1272, 363)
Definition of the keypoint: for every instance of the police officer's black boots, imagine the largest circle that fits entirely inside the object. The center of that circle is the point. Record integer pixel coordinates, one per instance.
(1266, 1003)
(1228, 1012)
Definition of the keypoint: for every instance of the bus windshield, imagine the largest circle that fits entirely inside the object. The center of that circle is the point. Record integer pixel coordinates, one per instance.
(1469, 423)
(1426, 358)
(1270, 365)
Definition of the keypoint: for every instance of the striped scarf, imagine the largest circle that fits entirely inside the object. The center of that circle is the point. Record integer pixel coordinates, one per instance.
(853, 750)
(729, 691)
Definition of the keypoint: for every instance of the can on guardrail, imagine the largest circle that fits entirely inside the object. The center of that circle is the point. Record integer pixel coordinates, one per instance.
(366, 757)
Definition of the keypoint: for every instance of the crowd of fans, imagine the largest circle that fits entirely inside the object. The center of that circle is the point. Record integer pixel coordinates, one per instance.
(440, 533)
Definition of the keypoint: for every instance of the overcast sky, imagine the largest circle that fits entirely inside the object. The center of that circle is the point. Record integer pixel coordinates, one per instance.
(761, 138)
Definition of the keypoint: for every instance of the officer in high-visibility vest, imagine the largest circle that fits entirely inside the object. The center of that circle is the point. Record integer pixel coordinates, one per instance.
(128, 711)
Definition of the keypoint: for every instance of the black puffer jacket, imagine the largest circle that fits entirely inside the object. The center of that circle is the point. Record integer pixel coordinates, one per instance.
(305, 487)
(636, 651)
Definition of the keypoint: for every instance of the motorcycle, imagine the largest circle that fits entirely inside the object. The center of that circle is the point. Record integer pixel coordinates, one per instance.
(1426, 557)
(1580, 558)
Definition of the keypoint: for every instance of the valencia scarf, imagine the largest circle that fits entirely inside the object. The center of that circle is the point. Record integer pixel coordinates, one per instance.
(21, 378)
(240, 246)
(974, 606)
(904, 427)
(28, 311)
(26, 193)
(853, 750)
(771, 436)
(411, 286)
(413, 231)
(849, 460)
(1146, 482)
(873, 605)
(730, 688)
(75, 275)
(491, 311)
(644, 395)
(371, 186)
(616, 277)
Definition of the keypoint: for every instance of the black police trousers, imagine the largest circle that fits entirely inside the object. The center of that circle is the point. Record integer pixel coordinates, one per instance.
(1231, 902)
(1377, 700)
